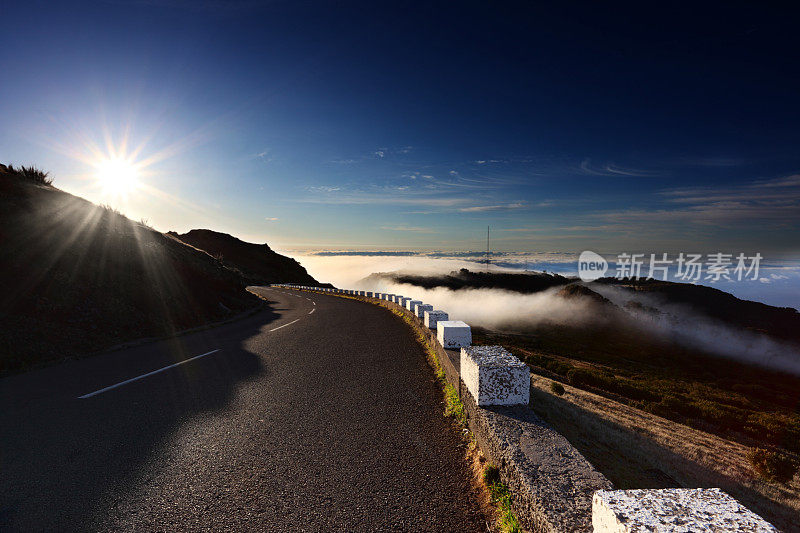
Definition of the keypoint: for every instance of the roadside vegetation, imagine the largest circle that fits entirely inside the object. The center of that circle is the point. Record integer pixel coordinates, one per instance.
(30, 174)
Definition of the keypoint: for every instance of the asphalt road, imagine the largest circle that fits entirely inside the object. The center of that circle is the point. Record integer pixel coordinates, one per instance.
(317, 415)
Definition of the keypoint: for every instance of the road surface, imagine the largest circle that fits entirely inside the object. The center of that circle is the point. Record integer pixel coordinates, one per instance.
(319, 414)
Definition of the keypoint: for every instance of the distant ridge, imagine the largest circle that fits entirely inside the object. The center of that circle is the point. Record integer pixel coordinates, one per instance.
(257, 263)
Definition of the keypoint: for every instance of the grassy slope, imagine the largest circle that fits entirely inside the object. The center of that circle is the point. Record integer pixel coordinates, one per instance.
(77, 278)
(735, 401)
(635, 449)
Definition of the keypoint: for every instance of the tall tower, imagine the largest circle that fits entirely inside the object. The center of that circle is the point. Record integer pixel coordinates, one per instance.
(487, 249)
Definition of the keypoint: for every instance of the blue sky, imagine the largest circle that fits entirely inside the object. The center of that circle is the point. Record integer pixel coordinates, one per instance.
(566, 127)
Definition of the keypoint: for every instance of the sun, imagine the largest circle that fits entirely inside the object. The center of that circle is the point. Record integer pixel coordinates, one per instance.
(117, 177)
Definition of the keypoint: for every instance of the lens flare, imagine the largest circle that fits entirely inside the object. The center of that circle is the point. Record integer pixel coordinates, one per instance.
(117, 177)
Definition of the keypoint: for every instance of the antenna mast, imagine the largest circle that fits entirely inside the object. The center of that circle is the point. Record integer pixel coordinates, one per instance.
(487, 248)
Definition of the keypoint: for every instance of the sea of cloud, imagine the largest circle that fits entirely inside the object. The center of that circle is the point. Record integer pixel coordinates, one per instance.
(509, 311)
(778, 281)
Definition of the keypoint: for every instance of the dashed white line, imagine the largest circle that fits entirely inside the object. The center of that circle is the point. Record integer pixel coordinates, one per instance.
(146, 375)
(312, 310)
(283, 326)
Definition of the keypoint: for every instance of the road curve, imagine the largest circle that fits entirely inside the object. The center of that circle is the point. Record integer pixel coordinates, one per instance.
(319, 414)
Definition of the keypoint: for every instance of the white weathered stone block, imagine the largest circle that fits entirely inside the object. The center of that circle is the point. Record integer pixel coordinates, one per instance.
(411, 303)
(494, 376)
(420, 309)
(662, 510)
(402, 301)
(453, 334)
(432, 317)
(369, 294)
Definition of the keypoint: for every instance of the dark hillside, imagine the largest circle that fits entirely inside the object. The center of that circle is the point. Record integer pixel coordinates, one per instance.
(466, 279)
(76, 278)
(256, 262)
(780, 322)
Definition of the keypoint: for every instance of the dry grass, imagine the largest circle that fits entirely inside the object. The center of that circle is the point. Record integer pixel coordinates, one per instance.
(636, 449)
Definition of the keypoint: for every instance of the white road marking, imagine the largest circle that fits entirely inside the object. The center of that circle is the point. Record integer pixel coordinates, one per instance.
(146, 375)
(312, 310)
(313, 302)
(283, 326)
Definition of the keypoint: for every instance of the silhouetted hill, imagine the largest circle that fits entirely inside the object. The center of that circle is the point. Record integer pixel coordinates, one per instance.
(781, 322)
(76, 278)
(256, 262)
(463, 279)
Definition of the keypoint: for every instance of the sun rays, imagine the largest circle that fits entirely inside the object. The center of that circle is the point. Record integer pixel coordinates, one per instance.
(117, 177)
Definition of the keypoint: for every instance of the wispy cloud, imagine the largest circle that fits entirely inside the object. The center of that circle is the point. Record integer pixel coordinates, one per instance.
(771, 201)
(498, 207)
(264, 156)
(711, 161)
(610, 169)
(415, 229)
(271, 219)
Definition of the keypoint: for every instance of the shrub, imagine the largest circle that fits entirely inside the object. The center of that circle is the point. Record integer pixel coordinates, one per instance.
(31, 174)
(557, 388)
(581, 377)
(491, 475)
(772, 466)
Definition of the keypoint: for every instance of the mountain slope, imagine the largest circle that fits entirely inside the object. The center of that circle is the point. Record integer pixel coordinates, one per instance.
(77, 278)
(256, 262)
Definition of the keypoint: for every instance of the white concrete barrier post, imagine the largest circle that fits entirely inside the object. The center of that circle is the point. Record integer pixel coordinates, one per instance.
(453, 334)
(421, 308)
(623, 511)
(402, 301)
(410, 304)
(369, 294)
(494, 376)
(433, 316)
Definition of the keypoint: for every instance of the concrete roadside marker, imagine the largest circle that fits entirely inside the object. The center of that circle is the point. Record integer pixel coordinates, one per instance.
(494, 376)
(433, 316)
(421, 308)
(453, 334)
(623, 511)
